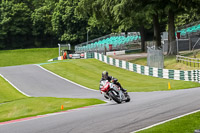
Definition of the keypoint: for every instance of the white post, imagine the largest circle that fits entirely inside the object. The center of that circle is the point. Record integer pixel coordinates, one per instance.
(69, 46)
(87, 35)
(59, 48)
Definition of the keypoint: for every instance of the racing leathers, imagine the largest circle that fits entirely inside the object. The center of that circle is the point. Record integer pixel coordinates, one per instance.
(114, 80)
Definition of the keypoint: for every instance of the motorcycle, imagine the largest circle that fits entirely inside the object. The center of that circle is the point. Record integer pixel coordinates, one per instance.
(113, 92)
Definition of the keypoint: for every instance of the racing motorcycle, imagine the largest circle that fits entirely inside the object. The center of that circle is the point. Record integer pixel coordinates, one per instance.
(113, 92)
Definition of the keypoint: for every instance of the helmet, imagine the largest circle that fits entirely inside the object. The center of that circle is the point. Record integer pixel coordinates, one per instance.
(104, 74)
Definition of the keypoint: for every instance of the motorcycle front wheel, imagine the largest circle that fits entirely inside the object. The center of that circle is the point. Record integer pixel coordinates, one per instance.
(112, 95)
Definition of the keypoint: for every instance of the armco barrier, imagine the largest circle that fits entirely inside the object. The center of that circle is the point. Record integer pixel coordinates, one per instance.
(193, 75)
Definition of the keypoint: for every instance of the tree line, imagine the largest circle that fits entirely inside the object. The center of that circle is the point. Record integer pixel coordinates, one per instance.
(44, 23)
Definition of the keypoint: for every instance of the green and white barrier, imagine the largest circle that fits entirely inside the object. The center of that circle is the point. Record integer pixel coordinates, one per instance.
(58, 58)
(193, 75)
(89, 55)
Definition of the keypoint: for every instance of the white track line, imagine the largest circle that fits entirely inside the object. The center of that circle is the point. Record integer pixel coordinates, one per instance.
(65, 78)
(14, 86)
(166, 121)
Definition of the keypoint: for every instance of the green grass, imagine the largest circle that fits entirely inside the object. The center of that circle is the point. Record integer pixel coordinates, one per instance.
(26, 56)
(40, 105)
(14, 105)
(185, 124)
(169, 63)
(8, 93)
(88, 73)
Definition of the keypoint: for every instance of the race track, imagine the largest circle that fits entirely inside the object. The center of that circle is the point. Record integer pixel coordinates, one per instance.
(34, 81)
(145, 108)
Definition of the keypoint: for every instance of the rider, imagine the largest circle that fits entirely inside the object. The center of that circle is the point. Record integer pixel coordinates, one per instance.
(110, 78)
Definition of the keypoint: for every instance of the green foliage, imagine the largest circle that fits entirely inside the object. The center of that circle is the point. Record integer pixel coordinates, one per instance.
(41, 18)
(187, 17)
(14, 23)
(65, 22)
(44, 23)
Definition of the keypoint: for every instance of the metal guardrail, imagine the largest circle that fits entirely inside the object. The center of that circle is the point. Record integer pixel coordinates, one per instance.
(193, 75)
(188, 61)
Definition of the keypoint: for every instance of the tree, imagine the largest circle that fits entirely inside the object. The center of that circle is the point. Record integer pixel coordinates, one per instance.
(173, 8)
(94, 13)
(42, 26)
(66, 24)
(139, 15)
(15, 24)
(130, 16)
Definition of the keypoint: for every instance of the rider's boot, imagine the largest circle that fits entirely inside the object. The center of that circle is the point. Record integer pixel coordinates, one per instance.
(124, 90)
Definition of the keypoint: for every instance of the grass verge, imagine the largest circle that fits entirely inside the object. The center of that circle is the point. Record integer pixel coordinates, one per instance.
(186, 124)
(41, 105)
(26, 56)
(88, 73)
(8, 93)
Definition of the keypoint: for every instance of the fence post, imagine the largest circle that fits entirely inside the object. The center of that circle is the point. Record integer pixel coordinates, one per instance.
(190, 44)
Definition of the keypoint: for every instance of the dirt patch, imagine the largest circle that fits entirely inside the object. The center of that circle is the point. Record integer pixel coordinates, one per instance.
(129, 57)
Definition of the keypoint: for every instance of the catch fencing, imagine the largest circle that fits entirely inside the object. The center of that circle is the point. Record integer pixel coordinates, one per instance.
(193, 75)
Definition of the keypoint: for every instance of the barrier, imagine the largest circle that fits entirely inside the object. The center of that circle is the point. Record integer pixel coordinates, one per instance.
(58, 58)
(88, 55)
(116, 52)
(188, 61)
(193, 75)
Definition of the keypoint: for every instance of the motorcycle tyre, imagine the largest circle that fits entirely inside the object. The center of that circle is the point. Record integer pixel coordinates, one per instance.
(114, 98)
(128, 98)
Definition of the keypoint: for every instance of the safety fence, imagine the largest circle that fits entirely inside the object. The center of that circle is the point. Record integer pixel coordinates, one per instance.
(193, 75)
(194, 62)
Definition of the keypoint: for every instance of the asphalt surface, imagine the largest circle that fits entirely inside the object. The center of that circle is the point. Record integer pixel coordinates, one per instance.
(144, 109)
(34, 81)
